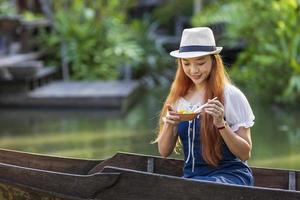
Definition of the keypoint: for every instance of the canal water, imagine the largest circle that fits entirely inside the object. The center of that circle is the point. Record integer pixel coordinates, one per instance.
(100, 134)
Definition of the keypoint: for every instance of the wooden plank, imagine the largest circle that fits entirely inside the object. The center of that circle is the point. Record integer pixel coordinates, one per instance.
(41, 73)
(272, 178)
(83, 186)
(11, 60)
(292, 180)
(150, 165)
(11, 191)
(38, 23)
(65, 89)
(268, 178)
(298, 180)
(138, 162)
(172, 167)
(148, 186)
(82, 94)
(129, 161)
(45, 162)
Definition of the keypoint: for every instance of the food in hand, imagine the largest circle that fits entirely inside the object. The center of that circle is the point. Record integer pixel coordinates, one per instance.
(185, 111)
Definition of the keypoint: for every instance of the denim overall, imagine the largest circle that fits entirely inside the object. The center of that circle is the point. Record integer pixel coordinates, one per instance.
(230, 169)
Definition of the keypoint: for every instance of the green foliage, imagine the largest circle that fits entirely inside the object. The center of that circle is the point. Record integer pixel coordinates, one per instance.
(292, 94)
(30, 16)
(157, 62)
(271, 62)
(97, 36)
(170, 9)
(7, 8)
(173, 8)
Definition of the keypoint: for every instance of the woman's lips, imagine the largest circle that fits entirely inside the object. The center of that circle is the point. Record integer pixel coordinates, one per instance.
(196, 76)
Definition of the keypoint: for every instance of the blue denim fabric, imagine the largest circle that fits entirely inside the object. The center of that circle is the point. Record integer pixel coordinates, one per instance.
(230, 169)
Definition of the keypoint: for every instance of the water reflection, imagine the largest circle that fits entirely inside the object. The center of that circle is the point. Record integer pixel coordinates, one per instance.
(100, 134)
(276, 136)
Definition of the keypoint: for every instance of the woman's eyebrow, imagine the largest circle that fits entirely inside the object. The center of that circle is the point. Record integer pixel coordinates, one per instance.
(200, 59)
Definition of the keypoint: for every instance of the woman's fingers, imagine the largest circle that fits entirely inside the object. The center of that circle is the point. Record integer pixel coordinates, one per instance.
(172, 112)
(171, 116)
(165, 120)
(214, 111)
(215, 108)
(215, 104)
(170, 107)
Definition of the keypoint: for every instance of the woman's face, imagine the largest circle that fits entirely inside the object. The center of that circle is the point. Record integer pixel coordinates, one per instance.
(197, 69)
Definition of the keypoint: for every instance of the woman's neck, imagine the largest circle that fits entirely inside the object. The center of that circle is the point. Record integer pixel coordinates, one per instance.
(195, 94)
(199, 87)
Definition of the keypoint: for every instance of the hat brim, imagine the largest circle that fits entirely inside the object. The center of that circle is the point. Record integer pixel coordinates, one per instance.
(194, 54)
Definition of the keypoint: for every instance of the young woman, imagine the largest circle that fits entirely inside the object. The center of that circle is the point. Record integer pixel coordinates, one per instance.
(217, 142)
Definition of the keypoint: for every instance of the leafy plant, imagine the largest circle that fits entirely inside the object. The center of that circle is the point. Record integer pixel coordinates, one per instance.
(98, 40)
(7, 8)
(156, 63)
(170, 10)
(271, 62)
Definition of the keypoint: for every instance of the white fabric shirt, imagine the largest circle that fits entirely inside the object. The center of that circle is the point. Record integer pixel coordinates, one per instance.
(238, 112)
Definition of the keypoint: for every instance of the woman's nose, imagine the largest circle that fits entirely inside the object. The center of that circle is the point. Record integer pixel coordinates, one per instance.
(194, 69)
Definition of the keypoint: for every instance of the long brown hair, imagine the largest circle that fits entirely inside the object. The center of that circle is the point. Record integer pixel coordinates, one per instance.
(210, 138)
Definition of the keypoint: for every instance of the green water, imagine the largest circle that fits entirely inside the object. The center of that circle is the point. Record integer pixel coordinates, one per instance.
(100, 134)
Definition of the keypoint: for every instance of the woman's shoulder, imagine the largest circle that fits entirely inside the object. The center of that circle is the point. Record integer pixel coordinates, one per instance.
(238, 111)
(231, 90)
(234, 95)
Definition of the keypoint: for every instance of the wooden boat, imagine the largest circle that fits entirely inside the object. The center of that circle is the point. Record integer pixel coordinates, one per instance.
(127, 176)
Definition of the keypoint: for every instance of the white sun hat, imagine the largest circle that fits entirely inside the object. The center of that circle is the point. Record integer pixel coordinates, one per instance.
(196, 42)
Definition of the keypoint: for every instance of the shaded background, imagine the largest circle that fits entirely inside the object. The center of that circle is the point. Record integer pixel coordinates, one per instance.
(130, 40)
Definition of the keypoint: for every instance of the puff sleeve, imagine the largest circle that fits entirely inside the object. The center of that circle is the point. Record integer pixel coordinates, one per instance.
(238, 112)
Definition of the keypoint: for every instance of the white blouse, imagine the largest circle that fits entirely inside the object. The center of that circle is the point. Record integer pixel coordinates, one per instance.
(238, 112)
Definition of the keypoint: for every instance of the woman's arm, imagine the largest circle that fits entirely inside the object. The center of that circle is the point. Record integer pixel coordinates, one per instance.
(167, 139)
(239, 143)
(168, 135)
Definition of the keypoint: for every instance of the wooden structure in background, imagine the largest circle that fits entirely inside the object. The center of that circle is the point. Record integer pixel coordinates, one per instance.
(114, 95)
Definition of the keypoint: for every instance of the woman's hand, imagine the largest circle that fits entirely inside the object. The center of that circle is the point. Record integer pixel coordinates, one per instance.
(215, 108)
(171, 116)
